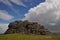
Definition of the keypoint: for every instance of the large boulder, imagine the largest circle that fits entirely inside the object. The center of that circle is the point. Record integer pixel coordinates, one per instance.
(26, 27)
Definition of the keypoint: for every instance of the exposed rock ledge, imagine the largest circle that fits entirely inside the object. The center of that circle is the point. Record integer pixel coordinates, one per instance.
(26, 27)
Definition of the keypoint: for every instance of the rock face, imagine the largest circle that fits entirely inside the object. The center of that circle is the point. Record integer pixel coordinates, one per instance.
(26, 27)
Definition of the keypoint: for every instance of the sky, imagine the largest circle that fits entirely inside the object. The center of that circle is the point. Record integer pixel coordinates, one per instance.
(45, 12)
(12, 10)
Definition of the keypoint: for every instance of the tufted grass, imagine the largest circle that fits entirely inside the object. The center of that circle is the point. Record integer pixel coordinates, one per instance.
(28, 37)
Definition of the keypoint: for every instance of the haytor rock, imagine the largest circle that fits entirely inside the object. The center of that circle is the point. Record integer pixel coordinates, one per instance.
(26, 27)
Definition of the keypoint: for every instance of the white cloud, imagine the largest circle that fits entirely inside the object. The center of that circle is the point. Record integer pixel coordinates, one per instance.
(18, 2)
(46, 13)
(28, 0)
(3, 28)
(7, 2)
(4, 15)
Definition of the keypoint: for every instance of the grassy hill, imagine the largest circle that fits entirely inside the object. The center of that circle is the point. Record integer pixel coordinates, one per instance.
(25, 30)
(28, 37)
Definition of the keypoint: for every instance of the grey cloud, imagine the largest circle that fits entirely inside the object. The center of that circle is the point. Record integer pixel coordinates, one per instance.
(3, 28)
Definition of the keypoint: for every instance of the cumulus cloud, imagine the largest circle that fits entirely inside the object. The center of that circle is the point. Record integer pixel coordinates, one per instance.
(3, 28)
(4, 15)
(46, 13)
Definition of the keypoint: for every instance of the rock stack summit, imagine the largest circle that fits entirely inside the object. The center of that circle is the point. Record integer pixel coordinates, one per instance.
(26, 27)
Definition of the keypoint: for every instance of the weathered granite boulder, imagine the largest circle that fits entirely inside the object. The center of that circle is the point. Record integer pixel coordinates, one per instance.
(26, 27)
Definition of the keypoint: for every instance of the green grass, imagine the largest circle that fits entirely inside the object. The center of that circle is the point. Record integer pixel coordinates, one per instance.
(28, 37)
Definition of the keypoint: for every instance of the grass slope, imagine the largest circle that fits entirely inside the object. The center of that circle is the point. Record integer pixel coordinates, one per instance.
(28, 37)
